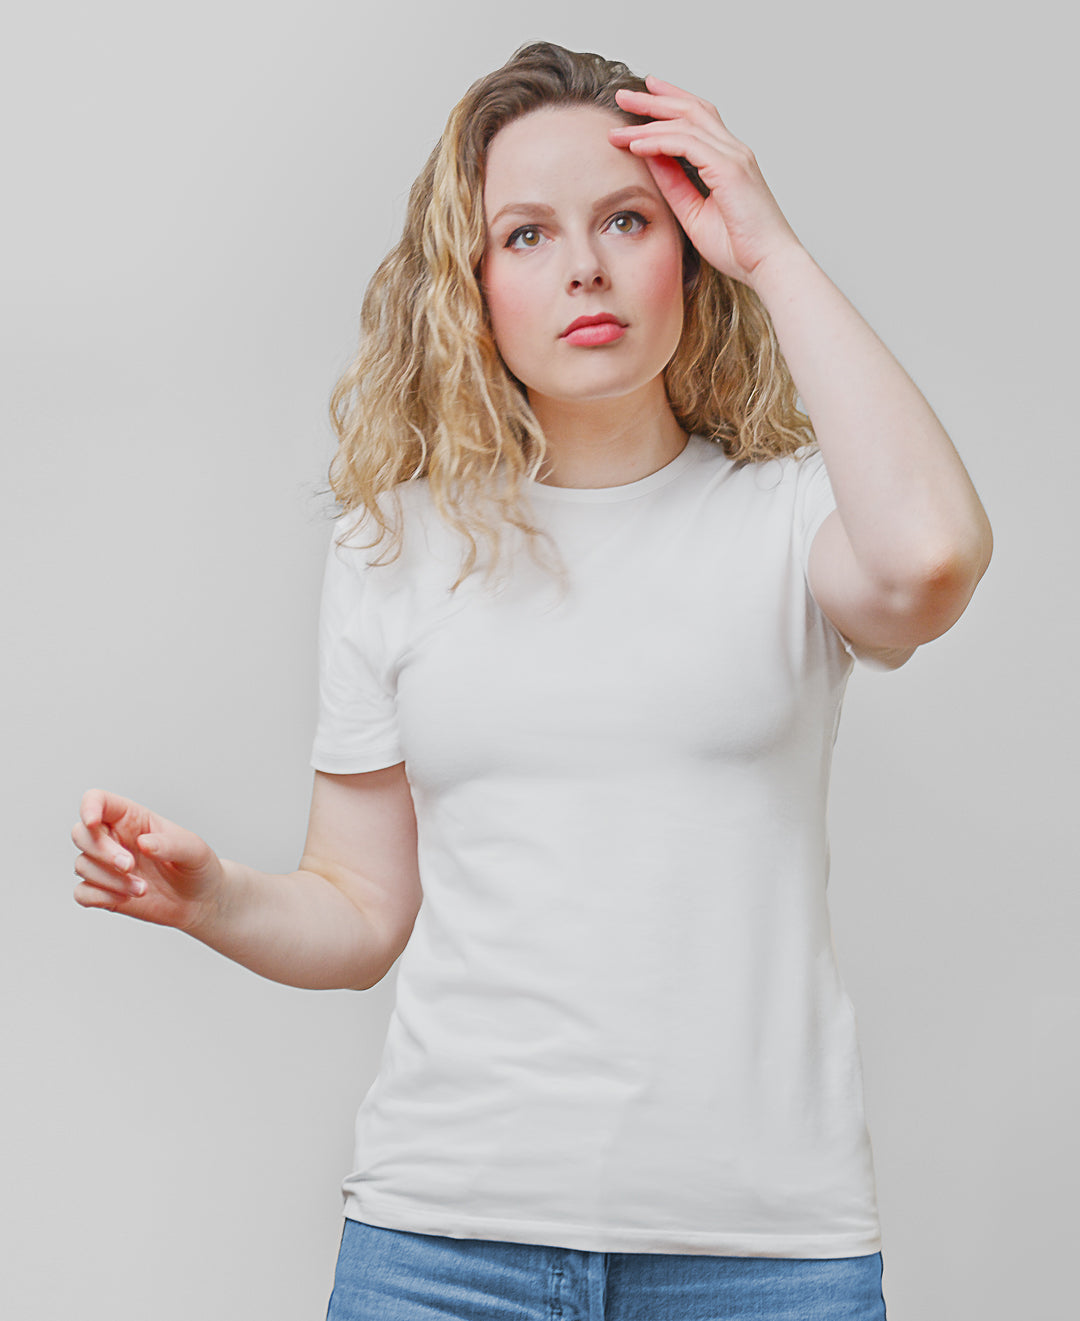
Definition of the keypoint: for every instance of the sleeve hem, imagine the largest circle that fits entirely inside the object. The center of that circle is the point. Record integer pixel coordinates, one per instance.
(345, 763)
(811, 531)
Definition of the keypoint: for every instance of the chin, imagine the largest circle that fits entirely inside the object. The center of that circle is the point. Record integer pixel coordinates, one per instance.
(592, 386)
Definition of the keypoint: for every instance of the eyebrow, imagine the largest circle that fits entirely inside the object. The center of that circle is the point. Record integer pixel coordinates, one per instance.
(634, 193)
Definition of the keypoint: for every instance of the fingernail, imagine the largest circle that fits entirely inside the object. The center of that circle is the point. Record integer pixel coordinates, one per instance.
(139, 887)
(124, 861)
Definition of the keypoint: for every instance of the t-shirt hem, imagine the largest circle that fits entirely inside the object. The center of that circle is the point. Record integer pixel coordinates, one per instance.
(601, 1238)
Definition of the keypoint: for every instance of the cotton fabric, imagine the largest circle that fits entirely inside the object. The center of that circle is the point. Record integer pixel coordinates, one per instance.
(619, 1022)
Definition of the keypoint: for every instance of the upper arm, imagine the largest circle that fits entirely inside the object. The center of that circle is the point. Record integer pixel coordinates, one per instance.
(362, 838)
(857, 608)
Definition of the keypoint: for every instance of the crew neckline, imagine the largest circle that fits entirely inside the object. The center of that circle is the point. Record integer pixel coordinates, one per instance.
(627, 491)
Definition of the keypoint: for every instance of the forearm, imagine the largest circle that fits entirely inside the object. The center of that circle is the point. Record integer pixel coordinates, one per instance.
(906, 503)
(299, 929)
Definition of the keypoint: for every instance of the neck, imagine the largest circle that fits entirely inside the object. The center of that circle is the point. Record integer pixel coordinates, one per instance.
(607, 442)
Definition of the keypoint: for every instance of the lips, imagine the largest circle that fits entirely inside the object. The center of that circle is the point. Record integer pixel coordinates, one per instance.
(601, 319)
(589, 331)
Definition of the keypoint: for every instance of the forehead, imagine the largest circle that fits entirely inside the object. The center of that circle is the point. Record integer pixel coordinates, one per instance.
(555, 155)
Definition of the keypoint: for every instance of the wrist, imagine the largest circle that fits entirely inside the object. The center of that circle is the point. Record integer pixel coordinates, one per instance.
(775, 276)
(217, 905)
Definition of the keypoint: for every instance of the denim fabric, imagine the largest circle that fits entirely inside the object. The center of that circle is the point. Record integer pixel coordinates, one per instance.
(392, 1275)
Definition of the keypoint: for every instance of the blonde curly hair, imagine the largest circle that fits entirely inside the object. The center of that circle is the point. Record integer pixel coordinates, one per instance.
(428, 394)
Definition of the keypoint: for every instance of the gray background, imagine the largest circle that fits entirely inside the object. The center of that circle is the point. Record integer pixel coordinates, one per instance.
(197, 197)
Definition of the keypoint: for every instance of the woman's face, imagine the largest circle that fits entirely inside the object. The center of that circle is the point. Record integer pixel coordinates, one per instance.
(577, 228)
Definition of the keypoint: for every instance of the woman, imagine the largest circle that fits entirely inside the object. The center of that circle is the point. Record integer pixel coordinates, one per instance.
(622, 1072)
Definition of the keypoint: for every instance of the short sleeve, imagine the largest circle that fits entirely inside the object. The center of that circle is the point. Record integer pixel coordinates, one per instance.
(356, 727)
(814, 501)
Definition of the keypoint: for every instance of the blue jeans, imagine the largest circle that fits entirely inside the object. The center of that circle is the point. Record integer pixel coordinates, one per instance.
(392, 1275)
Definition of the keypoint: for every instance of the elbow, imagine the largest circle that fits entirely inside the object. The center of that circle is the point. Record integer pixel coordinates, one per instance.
(970, 557)
(952, 571)
(936, 589)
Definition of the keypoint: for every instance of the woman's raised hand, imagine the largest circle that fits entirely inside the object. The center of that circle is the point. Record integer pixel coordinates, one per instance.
(739, 225)
(134, 862)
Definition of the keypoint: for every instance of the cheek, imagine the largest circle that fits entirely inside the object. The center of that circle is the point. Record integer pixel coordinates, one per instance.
(509, 306)
(664, 283)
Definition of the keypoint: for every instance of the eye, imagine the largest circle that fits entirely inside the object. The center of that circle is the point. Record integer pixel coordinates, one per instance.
(529, 236)
(628, 222)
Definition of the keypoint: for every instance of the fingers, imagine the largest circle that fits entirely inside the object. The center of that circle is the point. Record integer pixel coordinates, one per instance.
(663, 137)
(99, 807)
(679, 193)
(666, 101)
(657, 105)
(657, 86)
(104, 868)
(106, 881)
(101, 812)
(98, 844)
(91, 896)
(683, 127)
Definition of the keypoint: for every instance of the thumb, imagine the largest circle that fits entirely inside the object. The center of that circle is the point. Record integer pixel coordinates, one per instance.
(177, 846)
(677, 188)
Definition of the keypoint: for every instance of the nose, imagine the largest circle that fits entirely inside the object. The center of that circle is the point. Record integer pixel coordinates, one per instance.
(584, 268)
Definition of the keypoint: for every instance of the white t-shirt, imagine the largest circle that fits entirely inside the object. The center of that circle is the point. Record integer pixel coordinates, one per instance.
(619, 1023)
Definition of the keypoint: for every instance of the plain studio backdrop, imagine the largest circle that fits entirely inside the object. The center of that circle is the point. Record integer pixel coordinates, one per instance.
(197, 197)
